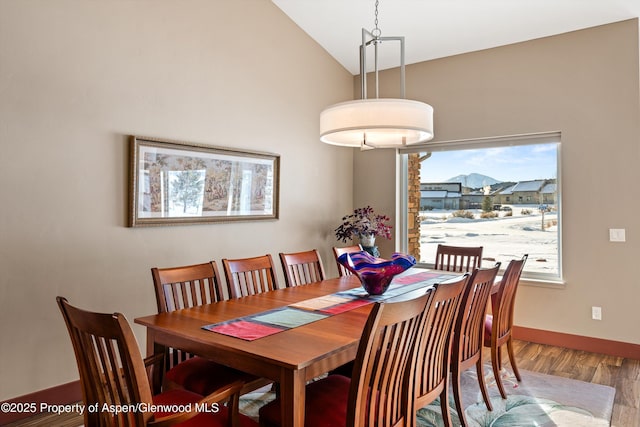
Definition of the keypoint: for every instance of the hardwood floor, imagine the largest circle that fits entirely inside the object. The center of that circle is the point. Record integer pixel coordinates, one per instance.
(52, 420)
(620, 373)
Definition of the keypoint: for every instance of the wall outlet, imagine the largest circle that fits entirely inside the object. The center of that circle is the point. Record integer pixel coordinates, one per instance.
(596, 313)
(617, 235)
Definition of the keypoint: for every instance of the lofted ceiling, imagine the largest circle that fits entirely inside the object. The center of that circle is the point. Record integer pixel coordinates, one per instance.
(440, 28)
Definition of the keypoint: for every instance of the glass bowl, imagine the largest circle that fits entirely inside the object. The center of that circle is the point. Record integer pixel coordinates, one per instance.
(376, 274)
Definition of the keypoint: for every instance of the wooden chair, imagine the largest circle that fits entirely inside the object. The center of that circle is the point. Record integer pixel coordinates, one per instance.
(433, 356)
(250, 276)
(458, 258)
(498, 325)
(378, 393)
(189, 286)
(347, 368)
(469, 334)
(344, 250)
(112, 372)
(301, 268)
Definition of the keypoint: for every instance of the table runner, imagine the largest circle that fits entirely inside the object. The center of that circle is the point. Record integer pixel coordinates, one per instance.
(280, 319)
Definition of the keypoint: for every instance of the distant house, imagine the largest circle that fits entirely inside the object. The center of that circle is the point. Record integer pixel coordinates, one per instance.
(549, 193)
(472, 199)
(452, 196)
(445, 195)
(538, 191)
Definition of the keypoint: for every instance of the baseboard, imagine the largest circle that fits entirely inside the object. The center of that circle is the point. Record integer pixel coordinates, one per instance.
(58, 395)
(577, 342)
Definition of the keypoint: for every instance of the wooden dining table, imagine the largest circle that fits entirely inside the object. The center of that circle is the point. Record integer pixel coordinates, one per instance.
(291, 357)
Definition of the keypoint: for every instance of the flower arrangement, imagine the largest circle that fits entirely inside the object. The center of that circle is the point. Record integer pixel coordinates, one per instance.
(363, 222)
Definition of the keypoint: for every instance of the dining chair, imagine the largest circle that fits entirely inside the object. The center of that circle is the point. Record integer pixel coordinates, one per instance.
(113, 375)
(433, 357)
(347, 368)
(377, 393)
(190, 286)
(250, 276)
(469, 334)
(498, 324)
(461, 259)
(342, 271)
(301, 268)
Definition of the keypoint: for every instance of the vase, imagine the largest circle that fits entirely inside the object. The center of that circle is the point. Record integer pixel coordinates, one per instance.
(368, 240)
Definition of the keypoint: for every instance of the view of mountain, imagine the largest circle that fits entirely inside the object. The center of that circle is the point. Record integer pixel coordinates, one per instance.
(473, 180)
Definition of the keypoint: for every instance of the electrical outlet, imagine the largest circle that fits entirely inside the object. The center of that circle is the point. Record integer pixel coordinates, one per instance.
(596, 313)
(617, 235)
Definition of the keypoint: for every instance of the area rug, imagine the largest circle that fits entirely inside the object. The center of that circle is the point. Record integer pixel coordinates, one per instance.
(539, 400)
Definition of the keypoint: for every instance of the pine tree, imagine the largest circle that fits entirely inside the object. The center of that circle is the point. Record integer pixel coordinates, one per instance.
(487, 204)
(188, 188)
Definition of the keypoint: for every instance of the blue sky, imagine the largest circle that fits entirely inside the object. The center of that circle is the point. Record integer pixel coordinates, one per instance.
(519, 163)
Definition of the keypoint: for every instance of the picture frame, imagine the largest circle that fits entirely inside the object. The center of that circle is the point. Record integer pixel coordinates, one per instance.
(175, 183)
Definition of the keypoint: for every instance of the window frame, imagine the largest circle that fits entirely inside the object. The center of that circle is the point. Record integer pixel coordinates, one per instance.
(478, 143)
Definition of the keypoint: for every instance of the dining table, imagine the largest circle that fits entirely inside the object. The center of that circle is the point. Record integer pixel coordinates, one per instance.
(292, 356)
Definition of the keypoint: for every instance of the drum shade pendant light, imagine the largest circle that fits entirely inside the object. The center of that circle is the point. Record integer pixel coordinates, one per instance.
(377, 122)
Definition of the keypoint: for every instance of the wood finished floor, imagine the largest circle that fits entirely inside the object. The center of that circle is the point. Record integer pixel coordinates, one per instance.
(620, 373)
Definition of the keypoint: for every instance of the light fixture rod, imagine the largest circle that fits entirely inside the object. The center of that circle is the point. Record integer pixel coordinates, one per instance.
(367, 39)
(375, 65)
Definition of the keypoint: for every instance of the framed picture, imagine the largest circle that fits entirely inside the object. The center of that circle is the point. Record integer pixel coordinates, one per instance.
(174, 183)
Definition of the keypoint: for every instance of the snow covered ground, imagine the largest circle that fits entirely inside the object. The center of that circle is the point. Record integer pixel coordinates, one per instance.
(502, 238)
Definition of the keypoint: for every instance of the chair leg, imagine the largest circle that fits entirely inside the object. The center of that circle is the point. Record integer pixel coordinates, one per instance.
(495, 356)
(444, 406)
(483, 384)
(455, 374)
(512, 359)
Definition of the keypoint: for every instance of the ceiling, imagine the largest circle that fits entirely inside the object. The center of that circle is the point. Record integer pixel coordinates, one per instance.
(439, 28)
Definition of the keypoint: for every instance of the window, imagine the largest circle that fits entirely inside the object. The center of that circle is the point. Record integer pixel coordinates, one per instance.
(502, 194)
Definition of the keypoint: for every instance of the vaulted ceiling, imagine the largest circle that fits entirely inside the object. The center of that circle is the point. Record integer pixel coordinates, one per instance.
(439, 28)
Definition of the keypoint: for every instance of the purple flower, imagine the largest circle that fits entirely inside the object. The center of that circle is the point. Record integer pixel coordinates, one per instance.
(363, 221)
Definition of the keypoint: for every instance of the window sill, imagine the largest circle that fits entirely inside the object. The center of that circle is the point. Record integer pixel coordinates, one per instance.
(543, 282)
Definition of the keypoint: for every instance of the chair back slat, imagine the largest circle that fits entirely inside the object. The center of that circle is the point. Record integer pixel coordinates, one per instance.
(250, 276)
(342, 271)
(459, 259)
(379, 393)
(301, 268)
(110, 365)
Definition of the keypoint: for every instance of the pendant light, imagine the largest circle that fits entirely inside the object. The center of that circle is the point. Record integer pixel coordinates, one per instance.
(377, 122)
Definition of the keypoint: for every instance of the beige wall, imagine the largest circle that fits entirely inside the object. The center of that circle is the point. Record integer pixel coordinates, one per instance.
(77, 77)
(586, 85)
